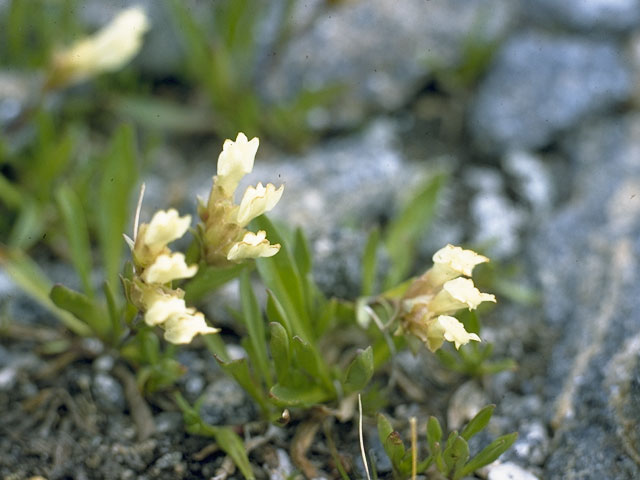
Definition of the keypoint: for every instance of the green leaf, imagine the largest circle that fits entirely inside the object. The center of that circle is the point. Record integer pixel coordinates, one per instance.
(209, 279)
(478, 422)
(490, 453)
(119, 176)
(82, 307)
(299, 396)
(360, 371)
(301, 253)
(448, 452)
(280, 351)
(275, 312)
(404, 231)
(458, 455)
(216, 346)
(305, 357)
(77, 232)
(370, 263)
(434, 433)
(252, 317)
(28, 276)
(281, 275)
(233, 446)
(392, 444)
(113, 310)
(28, 227)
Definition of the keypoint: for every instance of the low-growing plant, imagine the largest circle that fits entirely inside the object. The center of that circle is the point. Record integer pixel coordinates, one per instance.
(450, 457)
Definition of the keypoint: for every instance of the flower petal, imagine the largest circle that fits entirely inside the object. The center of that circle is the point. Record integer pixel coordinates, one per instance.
(252, 245)
(166, 268)
(451, 262)
(163, 308)
(256, 201)
(182, 328)
(165, 227)
(235, 161)
(108, 49)
(456, 294)
(454, 331)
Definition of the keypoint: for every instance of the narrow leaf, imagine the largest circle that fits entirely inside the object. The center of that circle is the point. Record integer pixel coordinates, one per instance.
(280, 351)
(233, 446)
(77, 233)
(301, 252)
(275, 312)
(82, 307)
(303, 396)
(490, 453)
(478, 423)
(252, 317)
(404, 231)
(281, 275)
(209, 279)
(28, 276)
(118, 179)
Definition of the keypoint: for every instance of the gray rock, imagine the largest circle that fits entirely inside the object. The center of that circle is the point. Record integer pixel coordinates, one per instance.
(379, 53)
(541, 85)
(497, 222)
(108, 393)
(586, 260)
(587, 16)
(532, 444)
(509, 471)
(225, 402)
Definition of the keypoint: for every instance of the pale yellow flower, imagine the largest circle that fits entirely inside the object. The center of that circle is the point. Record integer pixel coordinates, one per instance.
(165, 227)
(168, 267)
(163, 308)
(256, 201)
(253, 245)
(235, 161)
(182, 328)
(457, 294)
(108, 49)
(451, 262)
(454, 331)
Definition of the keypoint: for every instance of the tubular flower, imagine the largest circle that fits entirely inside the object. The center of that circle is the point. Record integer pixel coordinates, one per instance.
(108, 49)
(235, 161)
(429, 302)
(156, 266)
(256, 201)
(152, 238)
(168, 267)
(183, 327)
(225, 238)
(253, 245)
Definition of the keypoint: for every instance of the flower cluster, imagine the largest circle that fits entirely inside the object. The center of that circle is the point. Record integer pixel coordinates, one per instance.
(432, 299)
(156, 266)
(225, 238)
(107, 50)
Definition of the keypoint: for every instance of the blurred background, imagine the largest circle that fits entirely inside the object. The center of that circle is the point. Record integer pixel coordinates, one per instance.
(517, 120)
